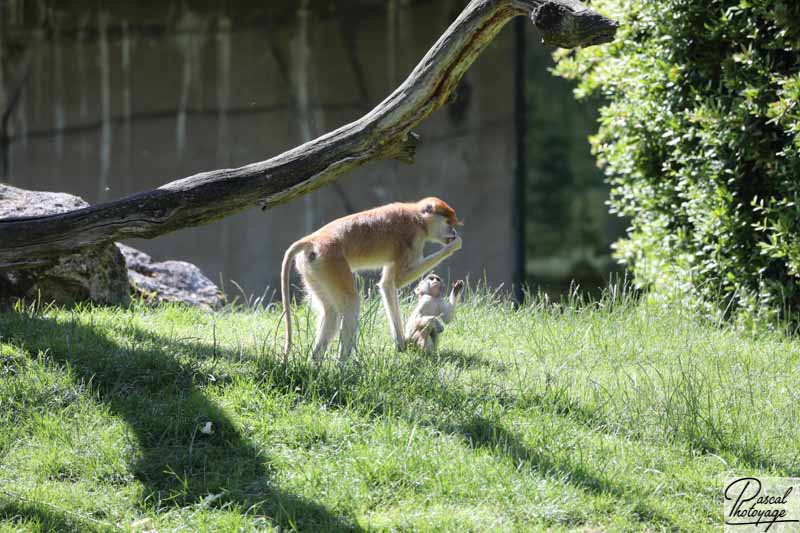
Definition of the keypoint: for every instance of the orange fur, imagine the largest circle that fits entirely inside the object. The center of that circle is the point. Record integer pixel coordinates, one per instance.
(441, 208)
(391, 237)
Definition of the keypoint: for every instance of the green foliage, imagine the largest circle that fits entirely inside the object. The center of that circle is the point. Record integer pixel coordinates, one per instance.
(700, 140)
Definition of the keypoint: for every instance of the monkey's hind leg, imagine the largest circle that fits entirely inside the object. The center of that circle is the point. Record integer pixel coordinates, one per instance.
(313, 272)
(430, 328)
(347, 302)
(349, 334)
(333, 283)
(426, 343)
(327, 324)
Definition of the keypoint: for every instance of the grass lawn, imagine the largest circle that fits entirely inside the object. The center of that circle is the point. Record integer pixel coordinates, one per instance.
(611, 416)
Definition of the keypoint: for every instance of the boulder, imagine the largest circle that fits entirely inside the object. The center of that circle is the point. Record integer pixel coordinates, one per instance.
(94, 274)
(104, 275)
(170, 281)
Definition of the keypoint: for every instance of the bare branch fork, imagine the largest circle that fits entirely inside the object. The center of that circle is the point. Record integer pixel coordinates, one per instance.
(383, 133)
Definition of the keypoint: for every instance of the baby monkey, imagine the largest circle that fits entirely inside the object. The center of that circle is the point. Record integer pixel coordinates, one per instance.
(433, 311)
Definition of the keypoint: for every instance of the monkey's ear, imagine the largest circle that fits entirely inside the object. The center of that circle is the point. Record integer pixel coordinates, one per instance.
(417, 291)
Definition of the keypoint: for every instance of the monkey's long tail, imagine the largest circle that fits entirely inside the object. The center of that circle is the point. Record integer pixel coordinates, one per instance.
(286, 267)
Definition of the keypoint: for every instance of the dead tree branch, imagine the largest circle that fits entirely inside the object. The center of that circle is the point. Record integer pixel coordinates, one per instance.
(383, 133)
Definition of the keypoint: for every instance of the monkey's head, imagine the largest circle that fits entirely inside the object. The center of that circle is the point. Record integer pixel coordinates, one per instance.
(440, 219)
(430, 285)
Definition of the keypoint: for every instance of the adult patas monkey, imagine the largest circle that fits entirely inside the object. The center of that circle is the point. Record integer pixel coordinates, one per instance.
(391, 237)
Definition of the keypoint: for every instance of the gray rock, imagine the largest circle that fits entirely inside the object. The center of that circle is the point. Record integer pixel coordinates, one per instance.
(15, 202)
(94, 274)
(103, 275)
(170, 281)
(135, 259)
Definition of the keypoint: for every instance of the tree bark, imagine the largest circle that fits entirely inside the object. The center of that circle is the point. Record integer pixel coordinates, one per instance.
(383, 133)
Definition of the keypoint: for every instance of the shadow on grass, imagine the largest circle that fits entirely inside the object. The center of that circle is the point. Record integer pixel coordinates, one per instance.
(160, 399)
(711, 441)
(484, 433)
(470, 360)
(38, 517)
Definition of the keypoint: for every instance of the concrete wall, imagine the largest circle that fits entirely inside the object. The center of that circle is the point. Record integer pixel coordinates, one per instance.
(122, 98)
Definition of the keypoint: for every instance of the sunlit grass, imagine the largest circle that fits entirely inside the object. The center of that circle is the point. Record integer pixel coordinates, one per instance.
(608, 415)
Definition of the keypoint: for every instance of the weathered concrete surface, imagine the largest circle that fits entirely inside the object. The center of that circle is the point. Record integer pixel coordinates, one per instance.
(95, 274)
(170, 281)
(207, 86)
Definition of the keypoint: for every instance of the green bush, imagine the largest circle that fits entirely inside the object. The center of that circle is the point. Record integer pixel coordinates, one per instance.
(700, 139)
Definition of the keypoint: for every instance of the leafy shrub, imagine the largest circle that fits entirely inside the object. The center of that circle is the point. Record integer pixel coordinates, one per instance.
(700, 140)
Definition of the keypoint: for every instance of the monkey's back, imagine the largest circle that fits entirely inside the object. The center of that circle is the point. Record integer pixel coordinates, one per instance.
(373, 238)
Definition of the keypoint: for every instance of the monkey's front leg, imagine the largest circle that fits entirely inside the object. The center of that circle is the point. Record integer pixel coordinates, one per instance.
(426, 264)
(388, 290)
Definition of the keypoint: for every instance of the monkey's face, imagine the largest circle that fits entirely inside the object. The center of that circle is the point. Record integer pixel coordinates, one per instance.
(430, 285)
(440, 220)
(441, 230)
